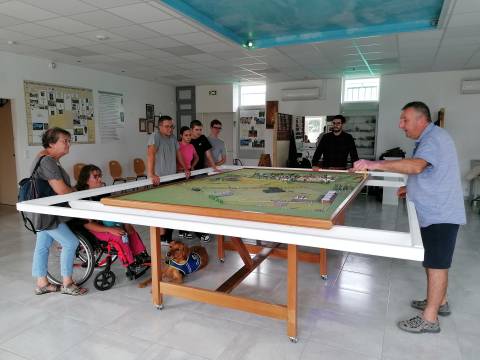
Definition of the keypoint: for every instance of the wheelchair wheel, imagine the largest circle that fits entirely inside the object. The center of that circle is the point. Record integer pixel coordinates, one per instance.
(83, 264)
(104, 280)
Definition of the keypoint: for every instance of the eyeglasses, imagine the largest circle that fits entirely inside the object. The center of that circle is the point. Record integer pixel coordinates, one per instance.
(217, 127)
(169, 126)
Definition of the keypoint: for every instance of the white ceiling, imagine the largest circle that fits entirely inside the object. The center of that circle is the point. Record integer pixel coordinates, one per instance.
(150, 41)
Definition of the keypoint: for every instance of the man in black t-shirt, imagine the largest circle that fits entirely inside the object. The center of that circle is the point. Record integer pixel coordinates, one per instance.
(202, 146)
(335, 147)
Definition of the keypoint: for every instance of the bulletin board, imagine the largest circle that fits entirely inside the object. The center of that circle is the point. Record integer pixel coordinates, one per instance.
(49, 105)
(252, 129)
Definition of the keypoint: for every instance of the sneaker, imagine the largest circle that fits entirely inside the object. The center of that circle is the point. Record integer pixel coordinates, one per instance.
(418, 325)
(205, 238)
(443, 310)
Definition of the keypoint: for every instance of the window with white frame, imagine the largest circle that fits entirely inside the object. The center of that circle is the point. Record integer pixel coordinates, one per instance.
(252, 95)
(359, 90)
(314, 126)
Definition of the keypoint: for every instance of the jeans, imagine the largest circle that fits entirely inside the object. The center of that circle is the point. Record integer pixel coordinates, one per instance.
(69, 242)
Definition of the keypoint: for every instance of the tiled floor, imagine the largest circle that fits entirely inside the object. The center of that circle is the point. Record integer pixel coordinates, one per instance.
(352, 315)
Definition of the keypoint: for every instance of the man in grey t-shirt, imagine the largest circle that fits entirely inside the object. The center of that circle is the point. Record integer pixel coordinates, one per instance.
(163, 151)
(218, 151)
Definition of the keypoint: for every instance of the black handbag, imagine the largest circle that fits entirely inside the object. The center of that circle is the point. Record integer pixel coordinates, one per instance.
(34, 188)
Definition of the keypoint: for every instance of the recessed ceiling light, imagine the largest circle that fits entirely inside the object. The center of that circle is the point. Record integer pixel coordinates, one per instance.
(102, 37)
(11, 42)
(249, 44)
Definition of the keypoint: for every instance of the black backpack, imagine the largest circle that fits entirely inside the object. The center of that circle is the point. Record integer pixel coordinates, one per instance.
(34, 188)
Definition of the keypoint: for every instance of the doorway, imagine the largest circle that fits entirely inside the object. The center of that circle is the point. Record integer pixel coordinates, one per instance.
(8, 177)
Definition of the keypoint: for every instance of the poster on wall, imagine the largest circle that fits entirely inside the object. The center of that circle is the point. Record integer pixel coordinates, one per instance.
(111, 115)
(49, 105)
(252, 129)
(284, 126)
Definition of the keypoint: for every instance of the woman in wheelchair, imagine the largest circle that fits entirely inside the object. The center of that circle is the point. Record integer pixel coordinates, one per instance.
(123, 237)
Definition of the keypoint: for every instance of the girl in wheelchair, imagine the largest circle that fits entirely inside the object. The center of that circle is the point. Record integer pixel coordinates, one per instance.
(123, 237)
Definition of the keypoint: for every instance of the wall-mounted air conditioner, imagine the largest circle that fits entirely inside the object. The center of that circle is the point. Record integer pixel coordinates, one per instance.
(470, 87)
(301, 94)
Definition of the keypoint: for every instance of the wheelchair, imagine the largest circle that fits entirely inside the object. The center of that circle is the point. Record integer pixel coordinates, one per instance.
(91, 253)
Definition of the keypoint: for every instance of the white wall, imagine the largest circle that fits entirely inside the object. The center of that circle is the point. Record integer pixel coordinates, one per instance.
(15, 69)
(221, 102)
(437, 90)
(329, 105)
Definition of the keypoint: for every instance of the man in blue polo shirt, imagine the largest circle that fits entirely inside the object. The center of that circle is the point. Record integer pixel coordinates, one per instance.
(434, 187)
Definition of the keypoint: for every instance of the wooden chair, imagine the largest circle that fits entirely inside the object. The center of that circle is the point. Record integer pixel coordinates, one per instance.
(116, 172)
(76, 170)
(265, 160)
(139, 168)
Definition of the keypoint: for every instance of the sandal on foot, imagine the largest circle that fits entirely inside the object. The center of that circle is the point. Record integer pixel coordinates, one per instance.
(73, 290)
(50, 288)
(443, 310)
(418, 325)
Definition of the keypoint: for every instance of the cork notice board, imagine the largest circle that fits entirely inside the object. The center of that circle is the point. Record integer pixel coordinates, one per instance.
(49, 105)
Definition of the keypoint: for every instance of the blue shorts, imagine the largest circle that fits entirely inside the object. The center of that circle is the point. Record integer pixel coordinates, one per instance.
(439, 243)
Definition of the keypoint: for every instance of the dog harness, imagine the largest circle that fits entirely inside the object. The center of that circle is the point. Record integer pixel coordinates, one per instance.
(192, 264)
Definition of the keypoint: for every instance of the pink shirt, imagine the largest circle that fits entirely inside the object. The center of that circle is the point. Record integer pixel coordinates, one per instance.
(187, 151)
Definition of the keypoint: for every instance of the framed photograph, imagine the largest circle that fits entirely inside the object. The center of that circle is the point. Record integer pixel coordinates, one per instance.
(142, 125)
(149, 111)
(150, 126)
(157, 119)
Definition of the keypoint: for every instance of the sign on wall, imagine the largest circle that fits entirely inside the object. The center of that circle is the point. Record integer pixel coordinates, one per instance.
(111, 115)
(49, 105)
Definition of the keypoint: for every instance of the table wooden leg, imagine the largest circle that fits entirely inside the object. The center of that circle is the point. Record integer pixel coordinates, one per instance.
(156, 254)
(323, 264)
(292, 292)
(221, 247)
(242, 251)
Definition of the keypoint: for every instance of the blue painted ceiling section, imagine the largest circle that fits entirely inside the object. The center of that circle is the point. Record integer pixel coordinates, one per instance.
(271, 23)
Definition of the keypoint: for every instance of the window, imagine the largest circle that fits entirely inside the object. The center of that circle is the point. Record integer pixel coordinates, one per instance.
(314, 126)
(251, 95)
(358, 90)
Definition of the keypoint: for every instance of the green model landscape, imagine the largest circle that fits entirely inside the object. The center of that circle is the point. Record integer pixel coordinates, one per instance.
(269, 191)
